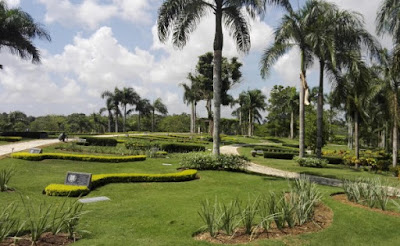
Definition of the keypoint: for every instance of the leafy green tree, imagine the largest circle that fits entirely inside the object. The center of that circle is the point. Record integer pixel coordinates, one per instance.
(78, 122)
(175, 123)
(17, 29)
(160, 107)
(181, 18)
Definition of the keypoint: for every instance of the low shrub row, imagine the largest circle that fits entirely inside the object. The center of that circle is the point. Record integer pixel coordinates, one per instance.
(277, 155)
(99, 180)
(11, 139)
(25, 134)
(74, 157)
(101, 141)
(206, 161)
(311, 162)
(181, 147)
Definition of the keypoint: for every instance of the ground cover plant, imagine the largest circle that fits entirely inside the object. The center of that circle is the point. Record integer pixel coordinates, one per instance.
(208, 161)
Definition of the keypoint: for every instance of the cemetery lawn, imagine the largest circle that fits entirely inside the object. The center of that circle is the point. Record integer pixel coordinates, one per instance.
(167, 213)
(331, 171)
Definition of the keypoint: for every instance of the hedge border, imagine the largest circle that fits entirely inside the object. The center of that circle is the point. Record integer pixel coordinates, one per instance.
(99, 180)
(10, 139)
(75, 157)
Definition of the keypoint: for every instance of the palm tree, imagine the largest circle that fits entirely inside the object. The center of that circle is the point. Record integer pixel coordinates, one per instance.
(109, 109)
(17, 28)
(254, 100)
(127, 96)
(114, 100)
(292, 32)
(191, 96)
(143, 107)
(388, 22)
(158, 106)
(181, 17)
(240, 112)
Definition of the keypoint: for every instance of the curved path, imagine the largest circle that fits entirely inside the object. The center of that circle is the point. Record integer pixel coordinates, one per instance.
(252, 167)
(19, 146)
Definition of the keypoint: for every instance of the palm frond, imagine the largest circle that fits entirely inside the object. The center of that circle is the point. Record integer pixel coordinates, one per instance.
(271, 55)
(238, 28)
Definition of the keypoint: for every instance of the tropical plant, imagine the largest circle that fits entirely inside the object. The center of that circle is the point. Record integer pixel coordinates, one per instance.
(5, 176)
(191, 96)
(160, 107)
(113, 98)
(254, 101)
(181, 17)
(17, 29)
(143, 107)
(109, 109)
(127, 96)
(8, 220)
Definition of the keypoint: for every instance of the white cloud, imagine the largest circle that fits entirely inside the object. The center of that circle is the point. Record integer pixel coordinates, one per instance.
(288, 67)
(92, 13)
(13, 3)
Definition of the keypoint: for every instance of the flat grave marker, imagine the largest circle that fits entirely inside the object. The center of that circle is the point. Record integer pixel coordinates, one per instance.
(94, 199)
(35, 151)
(79, 179)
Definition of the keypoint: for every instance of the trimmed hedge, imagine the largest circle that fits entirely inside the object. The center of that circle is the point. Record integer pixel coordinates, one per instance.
(75, 157)
(26, 134)
(101, 141)
(276, 155)
(99, 180)
(181, 147)
(311, 162)
(333, 159)
(10, 139)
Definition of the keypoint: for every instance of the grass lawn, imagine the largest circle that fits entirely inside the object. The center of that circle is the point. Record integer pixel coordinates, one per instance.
(166, 213)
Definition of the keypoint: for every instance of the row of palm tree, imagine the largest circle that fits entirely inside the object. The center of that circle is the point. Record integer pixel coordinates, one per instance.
(125, 97)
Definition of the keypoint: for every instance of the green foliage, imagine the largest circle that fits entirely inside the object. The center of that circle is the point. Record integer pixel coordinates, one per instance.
(311, 162)
(229, 217)
(206, 161)
(310, 139)
(25, 134)
(99, 180)
(8, 220)
(210, 215)
(175, 123)
(248, 214)
(37, 218)
(117, 150)
(181, 147)
(5, 176)
(11, 139)
(277, 155)
(369, 192)
(101, 141)
(75, 157)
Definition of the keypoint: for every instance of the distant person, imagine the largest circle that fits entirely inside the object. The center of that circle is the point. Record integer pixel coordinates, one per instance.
(62, 137)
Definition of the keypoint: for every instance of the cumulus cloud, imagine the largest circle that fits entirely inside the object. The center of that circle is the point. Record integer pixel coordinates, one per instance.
(12, 3)
(92, 13)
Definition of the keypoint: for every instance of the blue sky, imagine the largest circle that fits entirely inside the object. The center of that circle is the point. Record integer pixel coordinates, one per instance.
(99, 44)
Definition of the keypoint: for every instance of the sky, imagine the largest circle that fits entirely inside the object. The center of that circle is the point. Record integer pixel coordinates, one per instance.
(98, 45)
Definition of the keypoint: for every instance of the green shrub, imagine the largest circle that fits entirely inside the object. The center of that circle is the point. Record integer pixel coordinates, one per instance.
(181, 147)
(333, 159)
(26, 134)
(5, 176)
(292, 145)
(311, 162)
(74, 157)
(206, 161)
(10, 139)
(286, 156)
(8, 220)
(101, 141)
(99, 180)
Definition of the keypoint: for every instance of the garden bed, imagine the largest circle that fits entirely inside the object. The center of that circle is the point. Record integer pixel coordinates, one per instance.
(46, 239)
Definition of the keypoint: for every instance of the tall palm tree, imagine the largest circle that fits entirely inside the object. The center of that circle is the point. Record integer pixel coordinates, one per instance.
(143, 107)
(389, 23)
(191, 96)
(240, 112)
(17, 29)
(127, 96)
(160, 107)
(115, 98)
(292, 32)
(254, 101)
(109, 108)
(182, 16)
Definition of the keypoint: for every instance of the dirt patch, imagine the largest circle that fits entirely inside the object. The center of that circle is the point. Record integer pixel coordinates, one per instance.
(343, 199)
(46, 239)
(323, 218)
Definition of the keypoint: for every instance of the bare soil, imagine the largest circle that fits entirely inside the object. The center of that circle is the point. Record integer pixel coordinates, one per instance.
(343, 199)
(323, 217)
(46, 239)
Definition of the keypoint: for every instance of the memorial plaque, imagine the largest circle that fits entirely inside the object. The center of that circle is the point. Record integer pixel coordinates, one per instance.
(260, 152)
(80, 179)
(35, 151)
(94, 199)
(82, 140)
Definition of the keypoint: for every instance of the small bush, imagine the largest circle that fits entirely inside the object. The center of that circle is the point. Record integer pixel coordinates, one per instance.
(285, 156)
(205, 161)
(311, 162)
(74, 157)
(10, 139)
(181, 147)
(101, 141)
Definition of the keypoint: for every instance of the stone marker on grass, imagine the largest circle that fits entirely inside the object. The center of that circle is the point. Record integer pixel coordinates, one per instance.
(94, 199)
(80, 179)
(35, 151)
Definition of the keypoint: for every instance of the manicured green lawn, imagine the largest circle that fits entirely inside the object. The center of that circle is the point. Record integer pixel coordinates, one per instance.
(167, 213)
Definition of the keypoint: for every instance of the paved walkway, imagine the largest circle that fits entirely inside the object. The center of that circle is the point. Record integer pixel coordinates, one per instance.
(252, 167)
(19, 146)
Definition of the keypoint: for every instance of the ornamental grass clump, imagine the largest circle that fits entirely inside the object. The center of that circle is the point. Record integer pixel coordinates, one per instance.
(5, 176)
(229, 216)
(248, 215)
(210, 214)
(369, 192)
(8, 221)
(205, 161)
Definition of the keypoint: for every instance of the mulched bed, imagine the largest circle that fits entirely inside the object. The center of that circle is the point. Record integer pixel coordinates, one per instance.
(46, 239)
(323, 218)
(343, 199)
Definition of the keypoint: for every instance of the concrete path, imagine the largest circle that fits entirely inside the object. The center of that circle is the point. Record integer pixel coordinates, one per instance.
(252, 167)
(14, 147)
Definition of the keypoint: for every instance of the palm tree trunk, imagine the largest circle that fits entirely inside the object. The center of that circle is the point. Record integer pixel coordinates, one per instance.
(124, 118)
(209, 117)
(109, 120)
(291, 125)
(249, 128)
(240, 121)
(116, 121)
(320, 108)
(217, 80)
(192, 117)
(349, 133)
(139, 122)
(356, 138)
(301, 106)
(395, 130)
(152, 121)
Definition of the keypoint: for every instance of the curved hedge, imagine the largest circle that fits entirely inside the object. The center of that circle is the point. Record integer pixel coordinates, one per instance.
(10, 139)
(75, 157)
(181, 147)
(99, 180)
